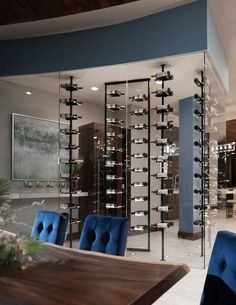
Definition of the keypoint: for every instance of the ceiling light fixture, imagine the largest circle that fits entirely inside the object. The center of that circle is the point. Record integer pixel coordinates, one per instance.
(94, 88)
(28, 92)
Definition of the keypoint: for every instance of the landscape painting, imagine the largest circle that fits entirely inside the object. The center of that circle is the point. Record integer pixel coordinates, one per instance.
(35, 148)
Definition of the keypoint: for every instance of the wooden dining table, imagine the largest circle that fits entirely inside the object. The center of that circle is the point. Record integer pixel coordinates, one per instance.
(64, 276)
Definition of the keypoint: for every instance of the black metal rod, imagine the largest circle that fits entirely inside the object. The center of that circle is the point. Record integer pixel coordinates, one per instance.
(162, 169)
(105, 151)
(70, 165)
(149, 164)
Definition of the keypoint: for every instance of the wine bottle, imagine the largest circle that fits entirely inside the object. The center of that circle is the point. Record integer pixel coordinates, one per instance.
(114, 149)
(113, 192)
(163, 109)
(199, 223)
(139, 184)
(198, 82)
(113, 163)
(163, 175)
(164, 158)
(140, 141)
(165, 225)
(64, 206)
(211, 129)
(139, 213)
(198, 160)
(68, 117)
(140, 126)
(139, 169)
(74, 221)
(113, 177)
(162, 142)
(200, 144)
(139, 98)
(198, 98)
(200, 207)
(163, 76)
(140, 228)
(163, 92)
(200, 191)
(163, 192)
(115, 93)
(197, 128)
(139, 155)
(70, 102)
(163, 125)
(111, 134)
(115, 107)
(198, 113)
(163, 208)
(71, 161)
(71, 87)
(70, 147)
(114, 121)
(139, 112)
(200, 176)
(139, 198)
(211, 101)
(68, 176)
(68, 191)
(113, 206)
(68, 131)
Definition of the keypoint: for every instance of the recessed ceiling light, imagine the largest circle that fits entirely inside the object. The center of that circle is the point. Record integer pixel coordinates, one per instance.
(28, 92)
(94, 88)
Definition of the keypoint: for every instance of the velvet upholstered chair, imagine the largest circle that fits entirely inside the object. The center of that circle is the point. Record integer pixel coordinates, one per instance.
(104, 234)
(50, 226)
(220, 284)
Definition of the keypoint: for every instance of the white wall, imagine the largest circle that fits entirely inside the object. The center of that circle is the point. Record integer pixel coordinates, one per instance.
(13, 99)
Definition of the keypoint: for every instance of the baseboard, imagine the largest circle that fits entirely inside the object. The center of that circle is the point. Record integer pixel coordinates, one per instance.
(189, 236)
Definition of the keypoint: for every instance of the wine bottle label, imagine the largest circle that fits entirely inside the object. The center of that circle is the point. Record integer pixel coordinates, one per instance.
(139, 98)
(162, 158)
(162, 141)
(139, 213)
(138, 228)
(115, 107)
(114, 121)
(112, 191)
(139, 184)
(139, 169)
(163, 208)
(139, 126)
(139, 141)
(139, 199)
(163, 192)
(139, 155)
(162, 175)
(164, 225)
(115, 93)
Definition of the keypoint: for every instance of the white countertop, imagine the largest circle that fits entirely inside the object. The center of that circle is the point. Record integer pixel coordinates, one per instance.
(45, 195)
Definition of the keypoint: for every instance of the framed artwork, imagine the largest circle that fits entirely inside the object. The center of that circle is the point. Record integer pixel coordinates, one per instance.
(35, 148)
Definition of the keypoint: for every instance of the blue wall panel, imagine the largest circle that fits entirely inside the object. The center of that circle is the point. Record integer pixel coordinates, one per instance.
(187, 168)
(176, 31)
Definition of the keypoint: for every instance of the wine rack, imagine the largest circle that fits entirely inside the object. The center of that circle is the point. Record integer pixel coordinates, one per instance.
(139, 160)
(114, 150)
(163, 178)
(204, 114)
(69, 156)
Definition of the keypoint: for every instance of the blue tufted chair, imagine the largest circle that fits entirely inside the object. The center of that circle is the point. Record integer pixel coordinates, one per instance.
(50, 226)
(104, 234)
(220, 284)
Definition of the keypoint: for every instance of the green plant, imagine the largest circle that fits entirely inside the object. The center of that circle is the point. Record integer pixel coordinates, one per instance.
(16, 250)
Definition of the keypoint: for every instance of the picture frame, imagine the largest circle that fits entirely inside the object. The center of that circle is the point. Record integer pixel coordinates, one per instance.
(36, 148)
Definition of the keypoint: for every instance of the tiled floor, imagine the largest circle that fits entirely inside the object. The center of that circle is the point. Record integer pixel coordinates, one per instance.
(188, 290)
